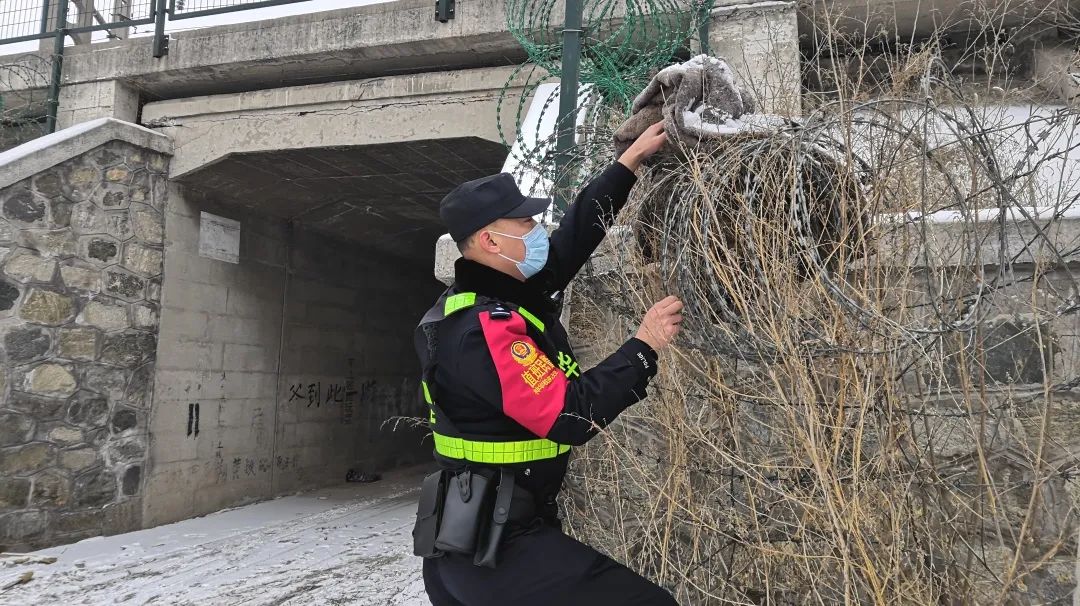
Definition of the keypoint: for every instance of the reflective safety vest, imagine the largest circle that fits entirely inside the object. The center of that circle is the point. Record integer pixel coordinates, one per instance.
(449, 442)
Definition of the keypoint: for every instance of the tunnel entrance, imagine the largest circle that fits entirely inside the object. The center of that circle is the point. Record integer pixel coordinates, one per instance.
(294, 364)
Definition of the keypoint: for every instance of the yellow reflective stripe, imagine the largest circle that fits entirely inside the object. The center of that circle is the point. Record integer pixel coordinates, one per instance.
(531, 318)
(498, 452)
(459, 302)
(427, 398)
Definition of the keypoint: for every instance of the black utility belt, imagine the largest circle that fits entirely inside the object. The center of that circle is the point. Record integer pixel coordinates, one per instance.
(466, 513)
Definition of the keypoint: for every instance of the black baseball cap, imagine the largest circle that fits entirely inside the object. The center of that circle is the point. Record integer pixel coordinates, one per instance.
(477, 203)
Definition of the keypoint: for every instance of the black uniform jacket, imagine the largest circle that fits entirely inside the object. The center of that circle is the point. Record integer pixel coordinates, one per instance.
(502, 378)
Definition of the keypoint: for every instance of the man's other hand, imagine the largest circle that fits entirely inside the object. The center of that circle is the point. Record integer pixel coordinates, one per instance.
(661, 323)
(646, 145)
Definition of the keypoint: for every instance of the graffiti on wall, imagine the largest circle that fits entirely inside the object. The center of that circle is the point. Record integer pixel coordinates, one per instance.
(240, 467)
(350, 394)
(345, 395)
(313, 393)
(193, 420)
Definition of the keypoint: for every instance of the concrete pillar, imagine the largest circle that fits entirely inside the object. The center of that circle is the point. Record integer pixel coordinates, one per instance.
(84, 18)
(104, 99)
(760, 40)
(121, 10)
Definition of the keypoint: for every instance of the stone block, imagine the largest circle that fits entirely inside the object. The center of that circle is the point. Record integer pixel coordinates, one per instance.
(153, 290)
(80, 521)
(131, 481)
(81, 278)
(65, 436)
(9, 295)
(50, 243)
(48, 184)
(25, 460)
(128, 449)
(22, 206)
(147, 225)
(80, 178)
(118, 174)
(100, 249)
(50, 490)
(7, 232)
(15, 429)
(23, 525)
(112, 153)
(142, 259)
(36, 406)
(111, 196)
(95, 488)
(51, 380)
(123, 516)
(104, 316)
(88, 218)
(47, 307)
(30, 268)
(140, 387)
(124, 419)
(88, 410)
(145, 316)
(60, 213)
(118, 225)
(26, 343)
(128, 349)
(78, 343)
(124, 285)
(14, 493)
(105, 380)
(78, 459)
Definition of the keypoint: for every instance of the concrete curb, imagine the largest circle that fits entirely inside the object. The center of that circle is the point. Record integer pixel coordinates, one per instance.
(32, 157)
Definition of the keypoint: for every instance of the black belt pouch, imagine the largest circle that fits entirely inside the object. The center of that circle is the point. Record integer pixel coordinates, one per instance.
(465, 511)
(487, 555)
(428, 513)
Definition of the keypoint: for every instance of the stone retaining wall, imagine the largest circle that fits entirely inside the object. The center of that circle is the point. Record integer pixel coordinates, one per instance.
(80, 284)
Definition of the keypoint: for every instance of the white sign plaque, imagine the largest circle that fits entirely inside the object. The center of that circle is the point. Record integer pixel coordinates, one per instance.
(219, 238)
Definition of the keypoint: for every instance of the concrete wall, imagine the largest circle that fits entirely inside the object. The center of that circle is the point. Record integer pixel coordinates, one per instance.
(364, 112)
(80, 248)
(291, 359)
(761, 42)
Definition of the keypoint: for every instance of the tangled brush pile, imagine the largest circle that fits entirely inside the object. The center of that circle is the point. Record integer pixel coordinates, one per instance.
(872, 397)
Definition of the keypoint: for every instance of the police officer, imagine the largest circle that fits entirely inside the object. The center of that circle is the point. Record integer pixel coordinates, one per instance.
(508, 399)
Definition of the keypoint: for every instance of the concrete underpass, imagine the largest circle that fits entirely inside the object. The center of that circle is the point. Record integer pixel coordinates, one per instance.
(316, 317)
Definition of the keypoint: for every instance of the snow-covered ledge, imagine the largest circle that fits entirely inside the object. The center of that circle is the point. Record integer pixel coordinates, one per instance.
(32, 157)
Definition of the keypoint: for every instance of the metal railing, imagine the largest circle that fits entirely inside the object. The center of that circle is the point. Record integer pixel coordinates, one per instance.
(23, 20)
(26, 20)
(187, 9)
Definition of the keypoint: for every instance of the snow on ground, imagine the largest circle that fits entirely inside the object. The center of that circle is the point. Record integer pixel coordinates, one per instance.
(349, 544)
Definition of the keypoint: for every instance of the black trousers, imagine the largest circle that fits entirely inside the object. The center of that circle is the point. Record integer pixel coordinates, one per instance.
(541, 568)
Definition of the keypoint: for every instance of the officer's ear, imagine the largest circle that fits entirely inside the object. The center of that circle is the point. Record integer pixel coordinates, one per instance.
(484, 241)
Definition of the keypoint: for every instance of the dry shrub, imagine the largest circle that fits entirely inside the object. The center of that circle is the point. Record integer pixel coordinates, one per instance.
(877, 408)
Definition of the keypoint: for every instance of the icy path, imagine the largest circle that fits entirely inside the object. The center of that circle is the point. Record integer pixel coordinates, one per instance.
(349, 544)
